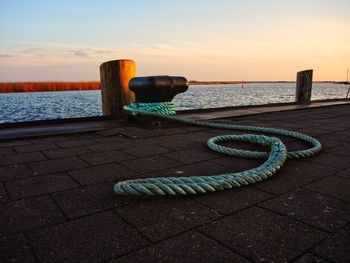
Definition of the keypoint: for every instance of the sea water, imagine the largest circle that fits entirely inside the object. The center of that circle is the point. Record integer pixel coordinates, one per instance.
(18, 107)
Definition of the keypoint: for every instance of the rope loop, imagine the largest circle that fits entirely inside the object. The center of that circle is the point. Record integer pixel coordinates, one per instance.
(205, 184)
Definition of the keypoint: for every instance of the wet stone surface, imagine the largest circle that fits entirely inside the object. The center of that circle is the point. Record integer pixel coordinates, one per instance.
(319, 210)
(159, 218)
(15, 249)
(91, 239)
(335, 248)
(57, 202)
(256, 232)
(199, 249)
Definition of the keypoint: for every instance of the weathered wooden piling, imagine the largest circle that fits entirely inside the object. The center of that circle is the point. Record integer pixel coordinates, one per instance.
(115, 76)
(304, 86)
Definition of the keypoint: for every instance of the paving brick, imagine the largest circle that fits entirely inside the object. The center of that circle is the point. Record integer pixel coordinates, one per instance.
(191, 156)
(196, 169)
(87, 200)
(261, 235)
(319, 210)
(15, 249)
(335, 136)
(322, 123)
(109, 132)
(39, 185)
(6, 151)
(112, 138)
(329, 144)
(312, 131)
(94, 238)
(331, 160)
(190, 128)
(14, 172)
(57, 165)
(100, 174)
(189, 247)
(307, 169)
(200, 137)
(26, 214)
(106, 157)
(71, 142)
(21, 158)
(162, 217)
(60, 153)
(282, 124)
(281, 182)
(250, 122)
(343, 149)
(345, 132)
(48, 139)
(171, 130)
(14, 143)
(328, 122)
(344, 173)
(106, 147)
(230, 201)
(290, 142)
(296, 123)
(35, 147)
(146, 141)
(150, 164)
(145, 150)
(309, 258)
(296, 145)
(82, 136)
(334, 186)
(195, 140)
(336, 127)
(3, 195)
(237, 164)
(135, 132)
(335, 248)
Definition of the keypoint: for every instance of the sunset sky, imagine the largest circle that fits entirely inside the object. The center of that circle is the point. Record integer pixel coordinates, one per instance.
(52, 40)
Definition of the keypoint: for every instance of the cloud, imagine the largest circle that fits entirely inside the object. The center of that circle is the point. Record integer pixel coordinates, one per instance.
(5, 56)
(32, 50)
(78, 53)
(103, 51)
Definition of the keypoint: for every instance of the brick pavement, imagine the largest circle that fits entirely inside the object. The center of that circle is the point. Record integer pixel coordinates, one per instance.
(57, 202)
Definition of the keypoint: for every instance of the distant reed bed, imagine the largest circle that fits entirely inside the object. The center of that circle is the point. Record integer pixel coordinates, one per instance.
(9, 87)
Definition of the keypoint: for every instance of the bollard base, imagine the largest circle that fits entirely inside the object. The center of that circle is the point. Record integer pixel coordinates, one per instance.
(151, 122)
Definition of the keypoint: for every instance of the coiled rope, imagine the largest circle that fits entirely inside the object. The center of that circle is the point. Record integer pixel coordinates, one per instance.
(204, 184)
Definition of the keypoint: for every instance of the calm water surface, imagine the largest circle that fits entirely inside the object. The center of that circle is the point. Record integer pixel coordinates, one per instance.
(17, 107)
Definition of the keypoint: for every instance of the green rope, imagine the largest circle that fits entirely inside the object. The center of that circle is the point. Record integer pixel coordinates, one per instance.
(204, 184)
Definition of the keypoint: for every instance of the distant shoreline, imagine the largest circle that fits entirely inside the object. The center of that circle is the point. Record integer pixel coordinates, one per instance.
(11, 87)
(42, 86)
(238, 81)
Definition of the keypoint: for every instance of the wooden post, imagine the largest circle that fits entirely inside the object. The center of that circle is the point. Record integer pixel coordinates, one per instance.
(304, 86)
(115, 76)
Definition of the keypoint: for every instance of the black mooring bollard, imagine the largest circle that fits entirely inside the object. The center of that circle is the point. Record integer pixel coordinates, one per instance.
(157, 88)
